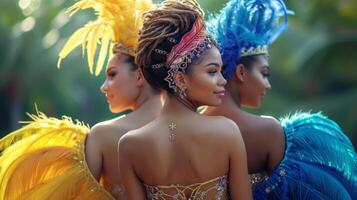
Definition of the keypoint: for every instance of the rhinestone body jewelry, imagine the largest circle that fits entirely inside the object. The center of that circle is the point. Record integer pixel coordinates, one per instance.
(172, 128)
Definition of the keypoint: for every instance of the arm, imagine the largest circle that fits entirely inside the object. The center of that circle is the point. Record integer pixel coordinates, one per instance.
(276, 145)
(93, 152)
(133, 188)
(239, 185)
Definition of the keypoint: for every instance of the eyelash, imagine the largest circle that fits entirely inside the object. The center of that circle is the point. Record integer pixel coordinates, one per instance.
(111, 74)
(266, 75)
(212, 72)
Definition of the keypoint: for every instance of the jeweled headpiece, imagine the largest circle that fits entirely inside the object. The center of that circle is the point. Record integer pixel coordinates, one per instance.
(191, 46)
(116, 27)
(246, 28)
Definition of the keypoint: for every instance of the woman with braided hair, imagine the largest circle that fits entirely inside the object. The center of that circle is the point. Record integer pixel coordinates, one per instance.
(58, 159)
(182, 155)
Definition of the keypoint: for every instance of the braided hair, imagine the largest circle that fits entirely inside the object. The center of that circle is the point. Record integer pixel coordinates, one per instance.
(163, 28)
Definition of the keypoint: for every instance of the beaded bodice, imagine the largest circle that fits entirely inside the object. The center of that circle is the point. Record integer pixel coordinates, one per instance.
(216, 188)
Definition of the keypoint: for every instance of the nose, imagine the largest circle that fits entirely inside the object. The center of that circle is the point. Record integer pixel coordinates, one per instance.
(267, 85)
(222, 81)
(104, 87)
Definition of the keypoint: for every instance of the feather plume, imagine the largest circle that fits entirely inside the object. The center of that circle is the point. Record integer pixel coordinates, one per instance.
(118, 22)
(244, 24)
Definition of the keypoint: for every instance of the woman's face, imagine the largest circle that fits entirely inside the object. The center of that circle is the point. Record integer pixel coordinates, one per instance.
(205, 83)
(255, 84)
(120, 87)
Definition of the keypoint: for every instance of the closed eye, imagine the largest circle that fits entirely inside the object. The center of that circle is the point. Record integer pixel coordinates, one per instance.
(111, 73)
(212, 72)
(213, 68)
(265, 72)
(266, 75)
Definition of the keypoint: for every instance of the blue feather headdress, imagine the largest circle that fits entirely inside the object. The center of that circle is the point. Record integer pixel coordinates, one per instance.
(247, 27)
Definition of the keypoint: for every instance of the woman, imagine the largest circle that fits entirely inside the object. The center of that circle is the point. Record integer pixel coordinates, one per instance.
(182, 154)
(307, 156)
(57, 159)
(125, 88)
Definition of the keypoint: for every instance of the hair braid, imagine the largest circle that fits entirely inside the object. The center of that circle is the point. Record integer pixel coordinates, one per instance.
(167, 19)
(171, 18)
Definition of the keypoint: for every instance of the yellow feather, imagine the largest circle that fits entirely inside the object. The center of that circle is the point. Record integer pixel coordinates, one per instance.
(111, 52)
(81, 5)
(90, 26)
(103, 51)
(72, 43)
(59, 62)
(123, 17)
(53, 151)
(92, 45)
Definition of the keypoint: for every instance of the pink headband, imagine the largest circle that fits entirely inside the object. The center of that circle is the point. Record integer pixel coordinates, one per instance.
(191, 46)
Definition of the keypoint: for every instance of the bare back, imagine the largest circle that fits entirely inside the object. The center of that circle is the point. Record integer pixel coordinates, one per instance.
(197, 144)
(102, 148)
(200, 151)
(257, 131)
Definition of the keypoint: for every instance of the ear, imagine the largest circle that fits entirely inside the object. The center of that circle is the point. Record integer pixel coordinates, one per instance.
(240, 72)
(180, 80)
(140, 79)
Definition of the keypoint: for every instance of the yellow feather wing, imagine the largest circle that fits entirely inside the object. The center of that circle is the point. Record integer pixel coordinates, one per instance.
(45, 160)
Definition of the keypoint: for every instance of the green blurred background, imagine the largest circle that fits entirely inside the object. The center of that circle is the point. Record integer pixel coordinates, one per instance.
(313, 63)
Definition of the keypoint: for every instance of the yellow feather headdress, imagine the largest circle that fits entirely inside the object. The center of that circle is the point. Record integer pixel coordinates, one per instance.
(118, 23)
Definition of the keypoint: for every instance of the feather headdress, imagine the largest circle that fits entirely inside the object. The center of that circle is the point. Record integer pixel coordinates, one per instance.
(118, 23)
(247, 27)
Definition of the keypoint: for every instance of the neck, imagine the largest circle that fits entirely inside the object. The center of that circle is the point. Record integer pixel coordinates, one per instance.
(228, 105)
(174, 104)
(187, 103)
(232, 92)
(148, 101)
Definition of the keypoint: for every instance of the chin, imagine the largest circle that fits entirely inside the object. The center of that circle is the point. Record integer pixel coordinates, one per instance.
(112, 110)
(253, 105)
(214, 103)
(116, 109)
(256, 105)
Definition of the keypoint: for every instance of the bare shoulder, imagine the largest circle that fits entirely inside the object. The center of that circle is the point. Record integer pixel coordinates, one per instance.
(227, 133)
(140, 137)
(106, 130)
(129, 142)
(219, 121)
(270, 120)
(271, 127)
(222, 127)
(273, 133)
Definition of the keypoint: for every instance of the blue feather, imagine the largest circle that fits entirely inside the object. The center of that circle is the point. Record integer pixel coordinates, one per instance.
(244, 24)
(319, 162)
